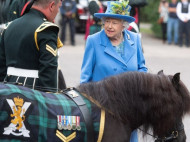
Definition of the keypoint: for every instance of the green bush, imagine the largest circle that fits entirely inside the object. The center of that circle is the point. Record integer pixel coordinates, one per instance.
(149, 14)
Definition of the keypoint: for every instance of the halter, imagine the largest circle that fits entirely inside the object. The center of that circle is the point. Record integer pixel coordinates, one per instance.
(172, 136)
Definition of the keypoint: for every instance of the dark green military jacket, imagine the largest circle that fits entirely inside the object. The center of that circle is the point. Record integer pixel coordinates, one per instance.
(30, 42)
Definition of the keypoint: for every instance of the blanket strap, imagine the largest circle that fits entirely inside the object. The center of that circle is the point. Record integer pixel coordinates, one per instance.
(73, 94)
(102, 124)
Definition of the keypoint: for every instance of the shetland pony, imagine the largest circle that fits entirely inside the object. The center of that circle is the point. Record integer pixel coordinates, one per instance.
(155, 101)
(158, 102)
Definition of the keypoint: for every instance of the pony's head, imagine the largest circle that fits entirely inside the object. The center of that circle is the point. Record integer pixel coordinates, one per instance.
(179, 91)
(177, 132)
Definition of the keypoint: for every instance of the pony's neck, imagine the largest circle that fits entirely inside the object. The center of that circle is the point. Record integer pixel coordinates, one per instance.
(115, 131)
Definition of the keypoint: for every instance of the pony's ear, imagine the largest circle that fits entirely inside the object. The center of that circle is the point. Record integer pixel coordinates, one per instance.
(176, 79)
(161, 72)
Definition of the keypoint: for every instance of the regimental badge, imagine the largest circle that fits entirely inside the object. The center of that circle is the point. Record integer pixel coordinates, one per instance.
(68, 122)
(17, 127)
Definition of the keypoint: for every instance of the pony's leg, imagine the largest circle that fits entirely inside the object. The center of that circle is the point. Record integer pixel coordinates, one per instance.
(115, 131)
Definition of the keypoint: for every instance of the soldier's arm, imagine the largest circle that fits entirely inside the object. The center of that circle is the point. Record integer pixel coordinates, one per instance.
(46, 42)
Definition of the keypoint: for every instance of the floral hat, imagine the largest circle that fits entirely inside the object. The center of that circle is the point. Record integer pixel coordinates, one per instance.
(117, 9)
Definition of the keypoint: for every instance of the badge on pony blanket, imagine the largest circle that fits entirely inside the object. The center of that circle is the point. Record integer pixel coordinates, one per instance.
(68, 122)
(17, 126)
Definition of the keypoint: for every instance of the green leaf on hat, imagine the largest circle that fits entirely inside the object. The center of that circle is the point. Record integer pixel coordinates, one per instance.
(121, 8)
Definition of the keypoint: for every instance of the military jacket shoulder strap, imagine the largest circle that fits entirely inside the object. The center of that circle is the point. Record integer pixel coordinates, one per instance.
(43, 26)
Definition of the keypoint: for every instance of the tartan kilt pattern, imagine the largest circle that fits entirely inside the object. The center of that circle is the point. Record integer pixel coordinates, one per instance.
(41, 116)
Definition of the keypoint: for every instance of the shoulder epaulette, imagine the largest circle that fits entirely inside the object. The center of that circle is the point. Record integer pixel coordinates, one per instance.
(43, 26)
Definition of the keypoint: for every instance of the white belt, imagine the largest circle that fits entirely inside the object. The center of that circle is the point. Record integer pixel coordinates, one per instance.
(22, 72)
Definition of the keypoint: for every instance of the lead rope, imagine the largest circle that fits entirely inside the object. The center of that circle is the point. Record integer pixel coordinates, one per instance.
(164, 139)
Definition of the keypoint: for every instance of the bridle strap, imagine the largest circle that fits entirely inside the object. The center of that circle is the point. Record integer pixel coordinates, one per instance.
(174, 135)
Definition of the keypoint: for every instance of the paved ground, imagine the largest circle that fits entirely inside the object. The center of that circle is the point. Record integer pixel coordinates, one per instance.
(171, 59)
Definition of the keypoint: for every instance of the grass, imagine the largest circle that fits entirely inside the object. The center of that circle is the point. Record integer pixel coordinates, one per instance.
(146, 30)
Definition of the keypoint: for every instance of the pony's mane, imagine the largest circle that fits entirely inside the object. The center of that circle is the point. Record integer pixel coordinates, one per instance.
(141, 98)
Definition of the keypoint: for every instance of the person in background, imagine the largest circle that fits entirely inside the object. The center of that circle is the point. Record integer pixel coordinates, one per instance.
(163, 10)
(114, 49)
(28, 49)
(68, 10)
(173, 23)
(10, 10)
(183, 13)
(93, 24)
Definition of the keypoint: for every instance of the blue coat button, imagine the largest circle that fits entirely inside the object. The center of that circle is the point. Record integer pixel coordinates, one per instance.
(124, 68)
(115, 69)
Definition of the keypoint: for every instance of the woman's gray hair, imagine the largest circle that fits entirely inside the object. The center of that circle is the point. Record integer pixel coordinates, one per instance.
(125, 23)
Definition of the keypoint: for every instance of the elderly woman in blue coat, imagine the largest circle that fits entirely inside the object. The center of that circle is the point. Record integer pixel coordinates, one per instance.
(114, 49)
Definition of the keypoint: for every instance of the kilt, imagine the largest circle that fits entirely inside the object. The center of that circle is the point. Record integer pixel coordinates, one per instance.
(38, 117)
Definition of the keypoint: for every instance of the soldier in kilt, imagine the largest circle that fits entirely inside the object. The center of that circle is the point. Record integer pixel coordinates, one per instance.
(28, 49)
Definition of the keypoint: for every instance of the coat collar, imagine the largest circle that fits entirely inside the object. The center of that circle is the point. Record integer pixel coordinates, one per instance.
(109, 49)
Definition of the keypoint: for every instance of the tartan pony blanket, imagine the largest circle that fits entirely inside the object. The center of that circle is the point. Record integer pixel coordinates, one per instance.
(31, 115)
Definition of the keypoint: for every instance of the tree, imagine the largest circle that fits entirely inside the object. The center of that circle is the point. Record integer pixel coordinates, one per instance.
(150, 14)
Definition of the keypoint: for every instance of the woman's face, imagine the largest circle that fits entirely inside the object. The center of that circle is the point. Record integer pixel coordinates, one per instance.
(113, 27)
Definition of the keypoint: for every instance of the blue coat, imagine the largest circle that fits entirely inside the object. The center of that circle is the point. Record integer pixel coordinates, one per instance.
(101, 60)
